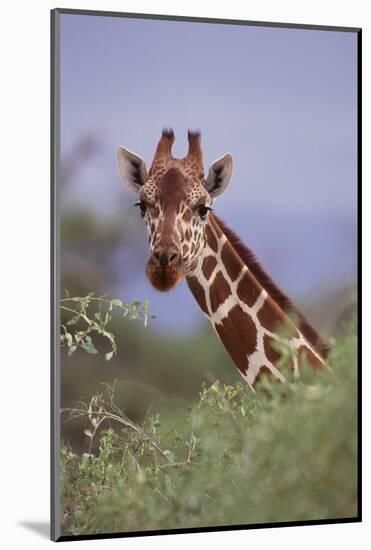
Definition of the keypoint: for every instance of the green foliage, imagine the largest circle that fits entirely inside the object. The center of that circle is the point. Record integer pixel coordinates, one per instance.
(285, 453)
(91, 315)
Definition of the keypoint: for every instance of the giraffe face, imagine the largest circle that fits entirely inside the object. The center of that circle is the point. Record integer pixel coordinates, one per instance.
(174, 201)
(175, 208)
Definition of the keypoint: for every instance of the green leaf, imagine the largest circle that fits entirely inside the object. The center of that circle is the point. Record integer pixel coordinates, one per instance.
(90, 348)
(78, 337)
(117, 302)
(73, 320)
(136, 305)
(72, 350)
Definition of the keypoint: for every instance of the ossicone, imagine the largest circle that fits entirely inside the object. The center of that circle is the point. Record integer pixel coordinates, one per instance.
(165, 144)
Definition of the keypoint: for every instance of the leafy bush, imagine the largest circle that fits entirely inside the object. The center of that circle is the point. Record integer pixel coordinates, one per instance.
(91, 315)
(285, 453)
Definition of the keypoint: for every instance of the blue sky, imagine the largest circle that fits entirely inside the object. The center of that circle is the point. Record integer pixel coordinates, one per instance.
(281, 101)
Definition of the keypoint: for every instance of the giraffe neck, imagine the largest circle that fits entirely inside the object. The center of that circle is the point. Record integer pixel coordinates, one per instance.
(243, 312)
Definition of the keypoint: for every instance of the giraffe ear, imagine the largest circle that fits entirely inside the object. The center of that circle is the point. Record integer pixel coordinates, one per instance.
(219, 175)
(132, 169)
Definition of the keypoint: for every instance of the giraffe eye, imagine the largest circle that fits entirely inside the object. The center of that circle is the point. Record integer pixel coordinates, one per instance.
(142, 206)
(203, 210)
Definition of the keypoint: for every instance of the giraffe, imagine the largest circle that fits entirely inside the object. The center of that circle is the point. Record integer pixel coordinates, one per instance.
(246, 309)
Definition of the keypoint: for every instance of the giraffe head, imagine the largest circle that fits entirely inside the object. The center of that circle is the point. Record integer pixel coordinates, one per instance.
(174, 201)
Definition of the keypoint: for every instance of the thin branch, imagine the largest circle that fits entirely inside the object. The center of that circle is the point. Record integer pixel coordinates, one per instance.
(75, 312)
(126, 422)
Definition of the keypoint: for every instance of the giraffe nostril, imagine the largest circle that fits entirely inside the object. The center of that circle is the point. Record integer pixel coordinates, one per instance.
(164, 258)
(173, 258)
(157, 256)
(160, 257)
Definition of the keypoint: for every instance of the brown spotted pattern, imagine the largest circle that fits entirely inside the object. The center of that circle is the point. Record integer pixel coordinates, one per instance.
(269, 349)
(211, 239)
(239, 336)
(248, 291)
(219, 291)
(226, 281)
(231, 261)
(247, 320)
(307, 356)
(198, 292)
(208, 266)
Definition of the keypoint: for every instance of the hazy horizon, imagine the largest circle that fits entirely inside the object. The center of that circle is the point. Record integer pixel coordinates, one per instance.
(282, 101)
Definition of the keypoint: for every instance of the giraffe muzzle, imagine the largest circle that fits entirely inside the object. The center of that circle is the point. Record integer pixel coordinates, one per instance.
(164, 268)
(166, 257)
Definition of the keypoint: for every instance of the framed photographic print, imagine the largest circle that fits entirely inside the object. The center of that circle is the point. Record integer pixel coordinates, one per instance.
(205, 293)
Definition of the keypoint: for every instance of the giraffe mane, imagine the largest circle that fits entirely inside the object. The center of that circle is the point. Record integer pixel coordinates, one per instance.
(282, 300)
